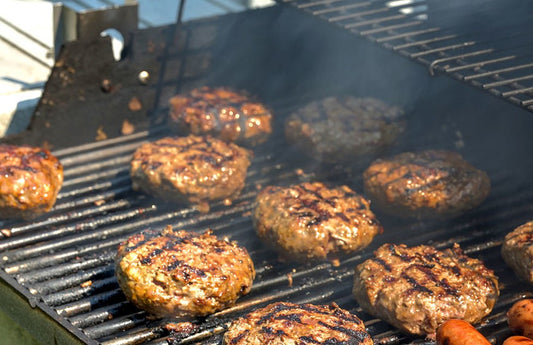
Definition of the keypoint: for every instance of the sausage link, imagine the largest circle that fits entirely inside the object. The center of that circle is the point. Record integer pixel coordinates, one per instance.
(520, 318)
(459, 332)
(518, 340)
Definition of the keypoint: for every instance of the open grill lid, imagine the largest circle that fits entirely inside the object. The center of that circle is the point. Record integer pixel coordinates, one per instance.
(62, 263)
(485, 43)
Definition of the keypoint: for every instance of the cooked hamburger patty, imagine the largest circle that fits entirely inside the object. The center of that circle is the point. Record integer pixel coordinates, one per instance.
(425, 184)
(178, 273)
(222, 113)
(339, 129)
(194, 169)
(416, 289)
(517, 251)
(287, 323)
(310, 221)
(30, 178)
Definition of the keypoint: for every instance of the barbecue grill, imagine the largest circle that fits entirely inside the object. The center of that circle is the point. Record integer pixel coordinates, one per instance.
(57, 270)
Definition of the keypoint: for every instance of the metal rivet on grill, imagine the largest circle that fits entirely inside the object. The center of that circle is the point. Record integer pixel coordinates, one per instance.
(106, 85)
(144, 77)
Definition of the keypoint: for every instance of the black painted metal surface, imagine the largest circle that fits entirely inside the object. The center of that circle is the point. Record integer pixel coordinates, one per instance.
(484, 43)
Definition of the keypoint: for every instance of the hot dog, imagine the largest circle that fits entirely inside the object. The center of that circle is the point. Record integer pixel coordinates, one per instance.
(459, 332)
(520, 318)
(518, 340)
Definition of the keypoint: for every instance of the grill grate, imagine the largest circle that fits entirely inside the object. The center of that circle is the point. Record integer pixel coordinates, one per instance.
(497, 61)
(66, 260)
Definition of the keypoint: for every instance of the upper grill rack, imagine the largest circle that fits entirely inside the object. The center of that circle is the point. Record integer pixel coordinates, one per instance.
(497, 60)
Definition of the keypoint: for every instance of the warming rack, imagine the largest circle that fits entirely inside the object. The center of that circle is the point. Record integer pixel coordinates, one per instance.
(497, 60)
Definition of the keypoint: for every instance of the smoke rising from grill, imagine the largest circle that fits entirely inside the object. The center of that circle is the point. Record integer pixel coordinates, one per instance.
(62, 262)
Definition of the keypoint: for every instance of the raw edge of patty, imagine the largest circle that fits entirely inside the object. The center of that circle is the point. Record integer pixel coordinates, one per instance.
(343, 128)
(30, 179)
(180, 273)
(517, 251)
(191, 169)
(417, 288)
(222, 112)
(311, 221)
(427, 184)
(288, 323)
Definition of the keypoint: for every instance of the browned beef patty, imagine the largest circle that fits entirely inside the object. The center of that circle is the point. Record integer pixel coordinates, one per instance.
(417, 288)
(299, 324)
(340, 129)
(517, 251)
(425, 184)
(190, 169)
(30, 178)
(310, 221)
(179, 273)
(223, 113)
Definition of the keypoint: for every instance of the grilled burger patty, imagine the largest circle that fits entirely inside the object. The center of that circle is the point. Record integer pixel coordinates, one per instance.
(339, 129)
(287, 323)
(30, 178)
(178, 273)
(194, 169)
(425, 184)
(310, 221)
(223, 113)
(517, 251)
(416, 289)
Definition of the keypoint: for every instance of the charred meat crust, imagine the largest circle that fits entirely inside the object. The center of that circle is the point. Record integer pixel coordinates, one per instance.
(426, 184)
(223, 113)
(30, 179)
(416, 289)
(517, 251)
(339, 129)
(287, 323)
(190, 169)
(180, 273)
(310, 221)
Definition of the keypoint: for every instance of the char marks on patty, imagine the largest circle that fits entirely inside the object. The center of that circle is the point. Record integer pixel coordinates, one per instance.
(344, 128)
(179, 273)
(190, 169)
(425, 184)
(30, 179)
(417, 288)
(517, 251)
(223, 113)
(311, 221)
(288, 323)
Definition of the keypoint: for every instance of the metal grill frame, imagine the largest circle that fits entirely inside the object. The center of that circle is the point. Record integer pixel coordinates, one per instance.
(96, 209)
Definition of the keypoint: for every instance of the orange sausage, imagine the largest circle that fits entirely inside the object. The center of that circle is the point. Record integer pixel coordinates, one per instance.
(518, 340)
(520, 318)
(459, 332)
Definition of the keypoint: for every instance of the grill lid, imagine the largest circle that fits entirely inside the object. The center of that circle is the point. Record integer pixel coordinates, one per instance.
(486, 44)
